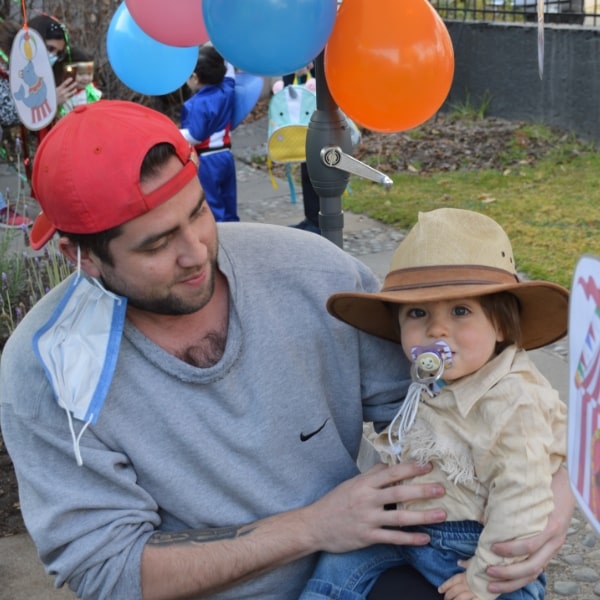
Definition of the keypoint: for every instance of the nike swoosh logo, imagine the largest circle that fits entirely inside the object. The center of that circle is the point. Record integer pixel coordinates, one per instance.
(306, 436)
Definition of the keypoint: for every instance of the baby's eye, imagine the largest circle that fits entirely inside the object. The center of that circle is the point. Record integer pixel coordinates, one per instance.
(415, 313)
(460, 311)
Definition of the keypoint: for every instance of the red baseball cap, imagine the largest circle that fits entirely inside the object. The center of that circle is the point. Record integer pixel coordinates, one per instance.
(86, 171)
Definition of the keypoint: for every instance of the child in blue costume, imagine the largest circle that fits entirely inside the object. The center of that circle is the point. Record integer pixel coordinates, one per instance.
(206, 123)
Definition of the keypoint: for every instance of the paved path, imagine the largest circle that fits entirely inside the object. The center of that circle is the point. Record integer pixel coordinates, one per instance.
(573, 575)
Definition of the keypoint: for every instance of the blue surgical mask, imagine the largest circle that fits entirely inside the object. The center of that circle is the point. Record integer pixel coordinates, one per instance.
(53, 59)
(78, 348)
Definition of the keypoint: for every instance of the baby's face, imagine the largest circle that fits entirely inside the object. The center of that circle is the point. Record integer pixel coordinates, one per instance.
(462, 324)
(84, 79)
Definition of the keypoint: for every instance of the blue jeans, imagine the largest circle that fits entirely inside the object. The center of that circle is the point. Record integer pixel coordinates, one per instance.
(351, 576)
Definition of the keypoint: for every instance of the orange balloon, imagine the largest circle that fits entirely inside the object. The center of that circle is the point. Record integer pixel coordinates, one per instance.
(389, 63)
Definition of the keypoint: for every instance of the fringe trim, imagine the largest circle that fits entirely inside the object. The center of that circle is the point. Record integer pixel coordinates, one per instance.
(455, 459)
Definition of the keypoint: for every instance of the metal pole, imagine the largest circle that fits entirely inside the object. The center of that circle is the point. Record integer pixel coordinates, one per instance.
(327, 127)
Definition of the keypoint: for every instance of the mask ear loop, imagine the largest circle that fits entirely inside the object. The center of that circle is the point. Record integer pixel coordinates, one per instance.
(74, 436)
(97, 282)
(78, 261)
(77, 437)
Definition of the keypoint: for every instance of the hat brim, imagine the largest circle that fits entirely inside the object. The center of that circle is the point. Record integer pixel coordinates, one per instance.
(41, 232)
(544, 308)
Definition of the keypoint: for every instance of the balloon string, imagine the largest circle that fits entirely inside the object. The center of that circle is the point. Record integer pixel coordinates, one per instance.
(24, 14)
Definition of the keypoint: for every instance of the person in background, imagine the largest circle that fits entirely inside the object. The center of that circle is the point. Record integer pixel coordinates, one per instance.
(478, 408)
(81, 68)
(9, 118)
(206, 123)
(196, 431)
(56, 38)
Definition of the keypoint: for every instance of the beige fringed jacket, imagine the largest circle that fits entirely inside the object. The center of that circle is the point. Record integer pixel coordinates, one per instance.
(495, 439)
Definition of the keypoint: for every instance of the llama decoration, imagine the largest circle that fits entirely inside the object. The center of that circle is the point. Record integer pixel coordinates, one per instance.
(31, 80)
(583, 448)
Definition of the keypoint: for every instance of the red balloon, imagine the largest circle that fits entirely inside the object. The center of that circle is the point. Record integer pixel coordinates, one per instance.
(389, 63)
(174, 23)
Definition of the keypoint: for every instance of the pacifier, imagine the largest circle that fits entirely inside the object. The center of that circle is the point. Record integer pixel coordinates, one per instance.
(427, 367)
(430, 361)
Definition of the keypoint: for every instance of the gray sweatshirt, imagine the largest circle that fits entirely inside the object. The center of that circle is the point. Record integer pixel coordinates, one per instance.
(179, 447)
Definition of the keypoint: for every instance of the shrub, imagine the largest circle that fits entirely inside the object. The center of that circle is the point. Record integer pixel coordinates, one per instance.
(24, 279)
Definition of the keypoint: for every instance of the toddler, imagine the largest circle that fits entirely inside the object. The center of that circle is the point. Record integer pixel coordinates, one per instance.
(81, 69)
(478, 409)
(206, 123)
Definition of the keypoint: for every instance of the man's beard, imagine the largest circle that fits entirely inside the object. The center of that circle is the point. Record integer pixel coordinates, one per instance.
(169, 304)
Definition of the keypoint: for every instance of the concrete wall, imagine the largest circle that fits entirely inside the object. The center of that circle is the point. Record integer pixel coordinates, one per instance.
(501, 60)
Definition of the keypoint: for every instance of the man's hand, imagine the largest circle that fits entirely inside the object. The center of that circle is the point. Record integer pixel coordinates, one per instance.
(353, 515)
(457, 588)
(539, 548)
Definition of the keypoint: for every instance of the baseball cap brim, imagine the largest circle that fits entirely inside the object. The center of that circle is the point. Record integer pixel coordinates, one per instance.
(41, 232)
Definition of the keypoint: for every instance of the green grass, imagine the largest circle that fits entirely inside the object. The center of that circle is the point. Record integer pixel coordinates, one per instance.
(467, 110)
(551, 210)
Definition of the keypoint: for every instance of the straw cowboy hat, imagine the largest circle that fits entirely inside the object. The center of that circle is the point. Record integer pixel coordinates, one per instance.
(453, 253)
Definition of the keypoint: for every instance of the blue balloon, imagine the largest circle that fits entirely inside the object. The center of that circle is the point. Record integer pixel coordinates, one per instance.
(269, 37)
(142, 63)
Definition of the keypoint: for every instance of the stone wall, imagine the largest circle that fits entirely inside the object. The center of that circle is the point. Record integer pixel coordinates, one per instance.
(500, 61)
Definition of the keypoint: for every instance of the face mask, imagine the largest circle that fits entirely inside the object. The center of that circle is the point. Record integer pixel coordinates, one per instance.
(78, 348)
(53, 59)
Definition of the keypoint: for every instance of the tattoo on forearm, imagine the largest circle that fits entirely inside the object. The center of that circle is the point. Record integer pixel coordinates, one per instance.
(199, 536)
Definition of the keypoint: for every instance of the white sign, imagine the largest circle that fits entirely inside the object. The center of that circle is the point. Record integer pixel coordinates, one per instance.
(31, 80)
(583, 444)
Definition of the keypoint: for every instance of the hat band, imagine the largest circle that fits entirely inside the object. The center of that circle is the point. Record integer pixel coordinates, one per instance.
(445, 275)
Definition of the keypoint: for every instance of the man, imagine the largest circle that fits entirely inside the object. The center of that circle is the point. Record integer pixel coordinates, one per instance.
(183, 416)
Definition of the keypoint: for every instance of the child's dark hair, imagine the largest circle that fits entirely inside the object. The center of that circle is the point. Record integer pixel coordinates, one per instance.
(210, 68)
(503, 309)
(80, 55)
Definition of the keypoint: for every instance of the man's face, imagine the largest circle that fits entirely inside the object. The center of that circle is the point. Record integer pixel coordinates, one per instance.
(165, 261)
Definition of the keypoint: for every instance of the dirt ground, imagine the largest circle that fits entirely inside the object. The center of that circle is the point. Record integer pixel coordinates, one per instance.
(442, 144)
(451, 143)
(10, 515)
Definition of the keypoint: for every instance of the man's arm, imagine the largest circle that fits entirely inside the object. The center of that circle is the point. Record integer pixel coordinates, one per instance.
(540, 548)
(194, 562)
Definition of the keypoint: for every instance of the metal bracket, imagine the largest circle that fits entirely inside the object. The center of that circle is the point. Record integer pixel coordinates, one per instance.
(334, 157)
